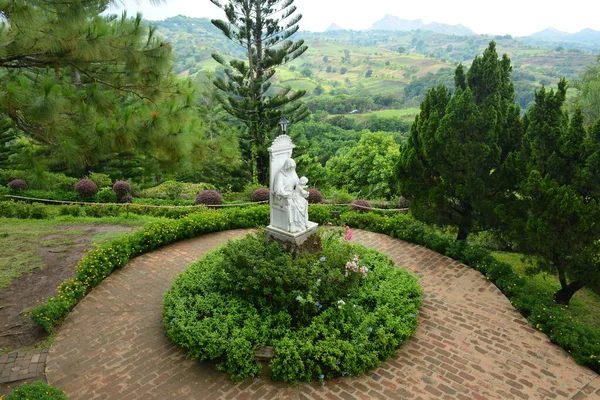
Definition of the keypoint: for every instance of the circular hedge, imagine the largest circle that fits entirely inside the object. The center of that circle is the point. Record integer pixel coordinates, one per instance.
(86, 188)
(17, 184)
(337, 312)
(260, 194)
(314, 196)
(360, 205)
(209, 197)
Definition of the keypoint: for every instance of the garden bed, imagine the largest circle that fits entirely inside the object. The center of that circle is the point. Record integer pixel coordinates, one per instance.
(340, 311)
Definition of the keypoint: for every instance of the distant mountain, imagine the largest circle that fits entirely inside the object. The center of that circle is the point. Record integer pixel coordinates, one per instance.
(334, 27)
(587, 39)
(393, 23)
(549, 34)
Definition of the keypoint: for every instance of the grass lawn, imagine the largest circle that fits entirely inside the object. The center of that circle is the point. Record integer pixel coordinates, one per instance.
(585, 304)
(19, 240)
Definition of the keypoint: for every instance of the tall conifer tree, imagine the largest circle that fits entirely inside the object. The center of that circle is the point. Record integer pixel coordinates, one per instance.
(263, 28)
(454, 166)
(555, 218)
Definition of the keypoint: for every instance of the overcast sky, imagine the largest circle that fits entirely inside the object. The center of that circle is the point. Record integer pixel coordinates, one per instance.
(515, 17)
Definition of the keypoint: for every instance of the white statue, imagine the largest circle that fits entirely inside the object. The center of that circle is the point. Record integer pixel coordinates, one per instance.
(289, 222)
(290, 194)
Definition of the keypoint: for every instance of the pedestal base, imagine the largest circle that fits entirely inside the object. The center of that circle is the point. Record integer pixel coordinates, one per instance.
(296, 242)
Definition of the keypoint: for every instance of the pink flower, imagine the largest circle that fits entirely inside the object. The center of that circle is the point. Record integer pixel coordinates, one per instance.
(349, 233)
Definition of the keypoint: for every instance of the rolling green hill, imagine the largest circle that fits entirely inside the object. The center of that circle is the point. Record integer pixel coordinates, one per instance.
(401, 65)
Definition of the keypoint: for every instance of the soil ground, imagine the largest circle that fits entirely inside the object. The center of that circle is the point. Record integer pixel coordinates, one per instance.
(17, 331)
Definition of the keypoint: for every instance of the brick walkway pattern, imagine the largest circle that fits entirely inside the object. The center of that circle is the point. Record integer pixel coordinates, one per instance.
(22, 365)
(470, 343)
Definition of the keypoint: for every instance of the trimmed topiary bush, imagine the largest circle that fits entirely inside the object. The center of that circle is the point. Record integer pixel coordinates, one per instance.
(209, 198)
(38, 391)
(121, 189)
(260, 194)
(314, 196)
(17, 184)
(403, 202)
(360, 205)
(86, 188)
(127, 199)
(337, 312)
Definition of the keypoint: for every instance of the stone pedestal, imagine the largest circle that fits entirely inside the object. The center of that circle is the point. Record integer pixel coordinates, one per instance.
(305, 241)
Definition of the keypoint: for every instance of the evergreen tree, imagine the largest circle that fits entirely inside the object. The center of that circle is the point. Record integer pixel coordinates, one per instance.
(455, 167)
(7, 144)
(555, 218)
(263, 28)
(84, 87)
(588, 97)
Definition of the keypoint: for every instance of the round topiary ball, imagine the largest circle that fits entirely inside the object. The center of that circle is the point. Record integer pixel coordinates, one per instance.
(86, 188)
(314, 196)
(127, 199)
(209, 198)
(122, 189)
(360, 205)
(17, 184)
(403, 202)
(260, 194)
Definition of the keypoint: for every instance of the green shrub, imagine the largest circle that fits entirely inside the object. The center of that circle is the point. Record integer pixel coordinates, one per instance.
(174, 190)
(101, 180)
(324, 313)
(58, 195)
(106, 195)
(23, 210)
(43, 181)
(36, 391)
(341, 197)
(162, 202)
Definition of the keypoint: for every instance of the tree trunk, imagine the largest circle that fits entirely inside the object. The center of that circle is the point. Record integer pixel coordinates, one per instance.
(463, 232)
(563, 296)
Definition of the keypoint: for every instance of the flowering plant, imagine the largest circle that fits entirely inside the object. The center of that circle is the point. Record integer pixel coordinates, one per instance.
(348, 233)
(353, 266)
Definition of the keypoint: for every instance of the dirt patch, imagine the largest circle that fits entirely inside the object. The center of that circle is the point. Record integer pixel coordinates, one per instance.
(18, 331)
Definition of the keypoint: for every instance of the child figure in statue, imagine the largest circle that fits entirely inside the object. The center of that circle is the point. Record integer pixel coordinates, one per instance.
(300, 203)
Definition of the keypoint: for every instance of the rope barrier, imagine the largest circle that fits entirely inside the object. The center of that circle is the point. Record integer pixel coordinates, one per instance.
(129, 204)
(402, 210)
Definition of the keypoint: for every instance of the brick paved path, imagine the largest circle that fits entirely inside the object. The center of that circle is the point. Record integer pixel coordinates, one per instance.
(22, 365)
(470, 343)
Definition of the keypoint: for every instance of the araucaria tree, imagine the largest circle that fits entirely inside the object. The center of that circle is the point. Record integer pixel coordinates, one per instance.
(556, 217)
(263, 28)
(81, 88)
(456, 166)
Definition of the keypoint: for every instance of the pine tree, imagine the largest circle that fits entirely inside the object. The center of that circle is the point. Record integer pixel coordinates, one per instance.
(555, 217)
(455, 165)
(83, 86)
(263, 28)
